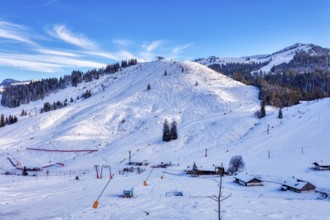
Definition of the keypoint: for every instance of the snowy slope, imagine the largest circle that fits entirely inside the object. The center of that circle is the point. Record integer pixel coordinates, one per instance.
(283, 56)
(217, 114)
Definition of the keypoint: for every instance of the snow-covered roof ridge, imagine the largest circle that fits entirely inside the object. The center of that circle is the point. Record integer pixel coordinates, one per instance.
(295, 183)
(244, 176)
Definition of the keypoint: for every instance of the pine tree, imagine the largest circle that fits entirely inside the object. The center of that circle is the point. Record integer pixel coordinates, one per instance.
(2, 121)
(194, 170)
(280, 114)
(262, 109)
(166, 131)
(165, 73)
(148, 87)
(24, 173)
(47, 107)
(174, 132)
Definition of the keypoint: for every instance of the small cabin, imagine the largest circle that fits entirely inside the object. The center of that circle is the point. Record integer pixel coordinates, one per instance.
(247, 180)
(143, 163)
(217, 171)
(162, 165)
(321, 166)
(204, 172)
(297, 185)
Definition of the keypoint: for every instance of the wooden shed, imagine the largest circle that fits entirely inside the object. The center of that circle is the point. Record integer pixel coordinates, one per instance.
(297, 185)
(247, 180)
(321, 166)
(143, 163)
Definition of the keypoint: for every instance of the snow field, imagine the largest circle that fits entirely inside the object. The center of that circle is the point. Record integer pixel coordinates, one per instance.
(217, 114)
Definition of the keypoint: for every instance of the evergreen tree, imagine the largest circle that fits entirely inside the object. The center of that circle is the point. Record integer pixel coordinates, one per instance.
(166, 131)
(165, 73)
(262, 112)
(124, 63)
(194, 170)
(24, 173)
(280, 114)
(2, 121)
(148, 87)
(174, 132)
(87, 94)
(47, 107)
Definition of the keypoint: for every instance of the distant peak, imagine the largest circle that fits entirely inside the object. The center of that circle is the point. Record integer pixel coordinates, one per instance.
(293, 47)
(6, 82)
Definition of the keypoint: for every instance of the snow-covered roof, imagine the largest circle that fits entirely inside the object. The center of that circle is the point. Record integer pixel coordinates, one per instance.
(295, 183)
(245, 177)
(322, 163)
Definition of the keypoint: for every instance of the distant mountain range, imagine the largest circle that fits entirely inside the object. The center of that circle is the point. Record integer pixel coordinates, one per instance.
(301, 58)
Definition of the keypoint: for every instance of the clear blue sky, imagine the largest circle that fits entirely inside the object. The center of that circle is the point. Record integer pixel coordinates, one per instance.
(50, 38)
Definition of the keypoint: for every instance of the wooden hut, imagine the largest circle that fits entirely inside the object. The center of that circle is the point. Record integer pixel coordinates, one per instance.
(297, 185)
(247, 180)
(143, 163)
(321, 166)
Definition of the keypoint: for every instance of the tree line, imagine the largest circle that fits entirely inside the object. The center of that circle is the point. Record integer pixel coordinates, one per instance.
(15, 95)
(11, 119)
(305, 77)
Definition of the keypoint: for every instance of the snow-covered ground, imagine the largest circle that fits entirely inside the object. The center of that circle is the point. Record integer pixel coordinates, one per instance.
(283, 56)
(212, 111)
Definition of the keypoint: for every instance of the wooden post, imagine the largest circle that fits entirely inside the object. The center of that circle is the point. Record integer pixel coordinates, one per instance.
(267, 129)
(205, 152)
(268, 154)
(129, 156)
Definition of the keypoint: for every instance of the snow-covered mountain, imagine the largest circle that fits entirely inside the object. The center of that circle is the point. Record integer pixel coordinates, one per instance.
(6, 82)
(269, 60)
(212, 112)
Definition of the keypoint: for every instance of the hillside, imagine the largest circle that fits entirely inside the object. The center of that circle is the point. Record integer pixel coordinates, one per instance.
(317, 57)
(125, 97)
(296, 73)
(212, 111)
